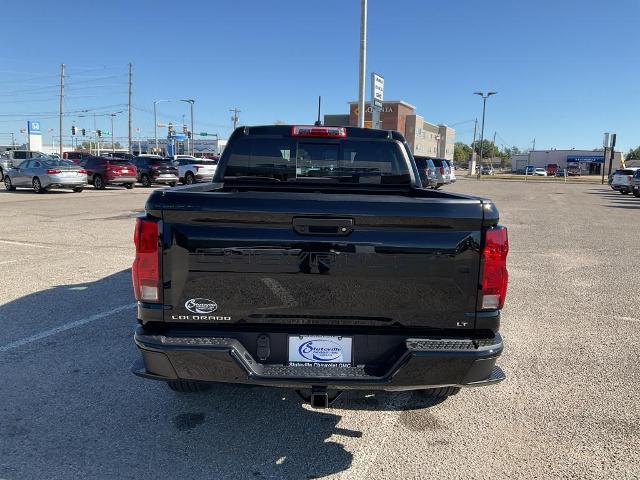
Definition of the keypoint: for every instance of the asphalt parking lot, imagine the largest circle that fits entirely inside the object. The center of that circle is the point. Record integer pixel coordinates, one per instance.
(70, 408)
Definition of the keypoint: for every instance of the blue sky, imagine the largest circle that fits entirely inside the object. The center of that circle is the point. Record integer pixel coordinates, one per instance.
(565, 70)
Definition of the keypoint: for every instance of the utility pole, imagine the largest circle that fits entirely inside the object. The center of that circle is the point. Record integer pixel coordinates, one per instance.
(472, 161)
(613, 151)
(130, 92)
(605, 141)
(13, 145)
(235, 117)
(363, 61)
(113, 144)
(526, 170)
(61, 105)
(319, 122)
(492, 148)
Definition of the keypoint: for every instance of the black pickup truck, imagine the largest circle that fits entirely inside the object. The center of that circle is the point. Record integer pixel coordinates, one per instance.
(316, 261)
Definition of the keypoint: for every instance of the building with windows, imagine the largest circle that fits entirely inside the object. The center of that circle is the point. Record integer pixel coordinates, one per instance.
(589, 162)
(424, 138)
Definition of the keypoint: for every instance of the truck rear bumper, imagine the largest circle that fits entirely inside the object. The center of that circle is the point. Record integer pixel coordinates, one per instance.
(418, 363)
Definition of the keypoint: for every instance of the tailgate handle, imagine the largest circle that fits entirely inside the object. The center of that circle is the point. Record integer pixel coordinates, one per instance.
(323, 226)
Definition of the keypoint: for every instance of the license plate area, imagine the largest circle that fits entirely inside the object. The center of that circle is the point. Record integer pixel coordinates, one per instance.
(320, 350)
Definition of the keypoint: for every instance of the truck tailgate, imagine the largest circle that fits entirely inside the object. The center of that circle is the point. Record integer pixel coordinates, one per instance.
(320, 259)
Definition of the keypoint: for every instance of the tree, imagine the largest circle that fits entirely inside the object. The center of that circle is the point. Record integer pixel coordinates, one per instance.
(633, 154)
(461, 153)
(489, 149)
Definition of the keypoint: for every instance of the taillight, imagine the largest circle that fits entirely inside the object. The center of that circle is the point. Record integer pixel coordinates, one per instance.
(82, 171)
(629, 178)
(494, 267)
(53, 172)
(145, 271)
(441, 170)
(198, 167)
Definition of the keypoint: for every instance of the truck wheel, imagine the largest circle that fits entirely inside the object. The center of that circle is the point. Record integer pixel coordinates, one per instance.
(441, 392)
(636, 192)
(187, 386)
(129, 186)
(78, 189)
(189, 179)
(624, 192)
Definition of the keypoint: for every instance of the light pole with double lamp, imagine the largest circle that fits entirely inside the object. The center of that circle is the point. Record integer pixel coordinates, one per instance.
(484, 106)
(155, 120)
(190, 101)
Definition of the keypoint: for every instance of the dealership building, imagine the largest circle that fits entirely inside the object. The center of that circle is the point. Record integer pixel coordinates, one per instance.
(590, 162)
(424, 138)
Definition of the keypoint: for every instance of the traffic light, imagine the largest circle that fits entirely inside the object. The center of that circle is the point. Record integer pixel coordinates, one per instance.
(170, 128)
(73, 130)
(84, 132)
(188, 134)
(184, 129)
(99, 133)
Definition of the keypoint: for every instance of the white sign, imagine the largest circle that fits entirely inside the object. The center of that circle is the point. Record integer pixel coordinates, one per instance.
(377, 90)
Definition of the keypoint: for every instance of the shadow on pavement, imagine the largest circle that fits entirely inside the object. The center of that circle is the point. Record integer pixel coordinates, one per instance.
(70, 406)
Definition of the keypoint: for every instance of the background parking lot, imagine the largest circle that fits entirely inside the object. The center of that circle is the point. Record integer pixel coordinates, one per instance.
(70, 408)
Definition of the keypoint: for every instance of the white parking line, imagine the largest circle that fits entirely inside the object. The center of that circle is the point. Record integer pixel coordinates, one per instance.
(631, 319)
(25, 244)
(63, 328)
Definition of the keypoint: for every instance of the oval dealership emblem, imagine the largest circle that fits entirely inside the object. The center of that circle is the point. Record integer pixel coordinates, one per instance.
(201, 305)
(320, 350)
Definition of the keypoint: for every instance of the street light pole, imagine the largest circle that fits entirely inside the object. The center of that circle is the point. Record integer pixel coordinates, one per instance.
(155, 120)
(484, 107)
(191, 101)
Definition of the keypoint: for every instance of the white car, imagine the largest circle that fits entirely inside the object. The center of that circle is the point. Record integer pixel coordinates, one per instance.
(192, 169)
(452, 173)
(541, 172)
(622, 180)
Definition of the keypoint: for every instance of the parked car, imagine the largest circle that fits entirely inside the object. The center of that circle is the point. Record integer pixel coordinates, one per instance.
(573, 171)
(357, 278)
(635, 184)
(560, 172)
(552, 168)
(486, 170)
(11, 158)
(622, 179)
(452, 173)
(427, 171)
(77, 157)
(529, 169)
(540, 172)
(443, 171)
(43, 174)
(102, 171)
(153, 169)
(192, 169)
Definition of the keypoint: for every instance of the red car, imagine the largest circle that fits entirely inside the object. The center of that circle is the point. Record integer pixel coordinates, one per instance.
(103, 171)
(552, 168)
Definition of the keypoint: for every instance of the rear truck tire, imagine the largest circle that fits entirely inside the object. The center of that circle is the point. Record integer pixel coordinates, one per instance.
(78, 189)
(442, 392)
(624, 192)
(129, 186)
(173, 184)
(98, 183)
(8, 185)
(636, 192)
(37, 185)
(1, 175)
(187, 386)
(189, 179)
(145, 180)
